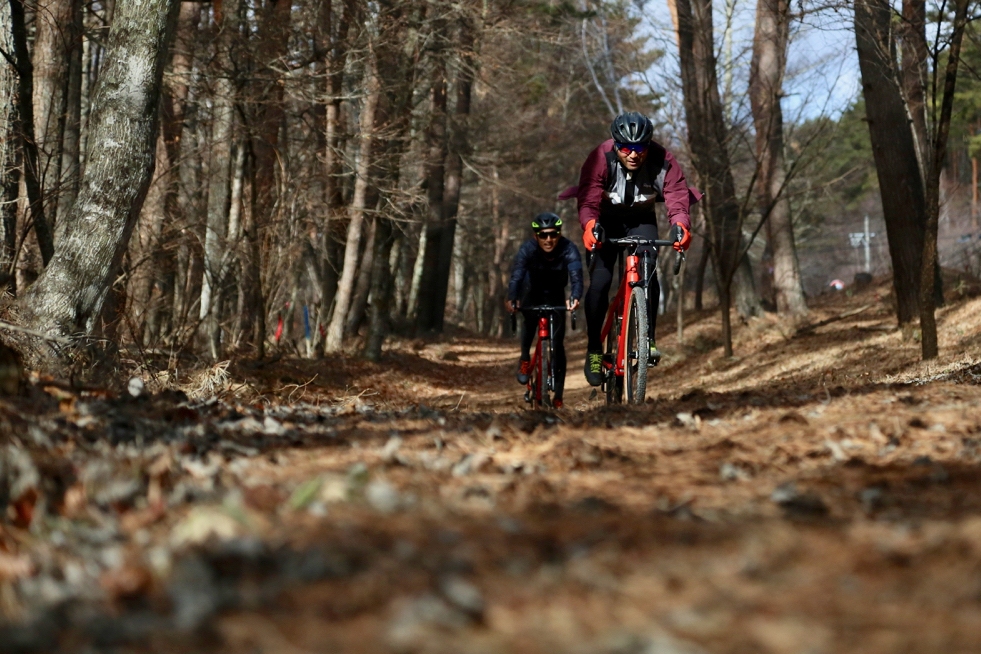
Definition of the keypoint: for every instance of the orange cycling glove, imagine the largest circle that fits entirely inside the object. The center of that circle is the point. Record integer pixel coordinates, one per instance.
(681, 237)
(588, 239)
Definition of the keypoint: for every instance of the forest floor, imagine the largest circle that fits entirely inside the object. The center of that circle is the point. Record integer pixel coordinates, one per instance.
(817, 493)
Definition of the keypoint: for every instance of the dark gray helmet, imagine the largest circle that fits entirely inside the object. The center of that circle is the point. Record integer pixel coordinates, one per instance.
(546, 220)
(632, 127)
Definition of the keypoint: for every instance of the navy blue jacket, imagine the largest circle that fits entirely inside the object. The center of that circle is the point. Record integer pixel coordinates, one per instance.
(543, 276)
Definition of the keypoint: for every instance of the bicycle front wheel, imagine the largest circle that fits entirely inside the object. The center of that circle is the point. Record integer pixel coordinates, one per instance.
(547, 380)
(638, 350)
(537, 379)
(614, 382)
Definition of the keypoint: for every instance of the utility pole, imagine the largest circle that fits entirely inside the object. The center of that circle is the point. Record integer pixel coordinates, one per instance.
(863, 239)
(868, 246)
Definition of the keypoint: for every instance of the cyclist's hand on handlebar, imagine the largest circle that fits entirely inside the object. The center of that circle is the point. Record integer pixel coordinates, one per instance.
(512, 306)
(588, 238)
(572, 304)
(681, 237)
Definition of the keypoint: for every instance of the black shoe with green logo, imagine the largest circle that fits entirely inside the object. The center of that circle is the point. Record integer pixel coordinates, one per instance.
(594, 367)
(655, 355)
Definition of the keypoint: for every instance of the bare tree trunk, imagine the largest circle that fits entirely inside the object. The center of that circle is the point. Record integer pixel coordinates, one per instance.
(894, 151)
(381, 290)
(456, 149)
(766, 89)
(435, 173)
(362, 287)
(708, 136)
(71, 139)
(460, 273)
(331, 229)
(497, 271)
(266, 115)
(914, 74)
(9, 176)
(30, 157)
(68, 296)
(52, 43)
(157, 293)
(938, 150)
(345, 286)
(412, 309)
(219, 170)
(744, 293)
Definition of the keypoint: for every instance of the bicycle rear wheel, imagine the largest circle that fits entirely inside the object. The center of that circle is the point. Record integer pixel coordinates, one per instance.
(614, 383)
(638, 350)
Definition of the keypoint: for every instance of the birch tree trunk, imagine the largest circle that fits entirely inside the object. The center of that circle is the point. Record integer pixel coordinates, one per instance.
(68, 296)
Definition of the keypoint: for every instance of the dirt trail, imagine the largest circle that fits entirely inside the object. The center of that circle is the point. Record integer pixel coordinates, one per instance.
(817, 493)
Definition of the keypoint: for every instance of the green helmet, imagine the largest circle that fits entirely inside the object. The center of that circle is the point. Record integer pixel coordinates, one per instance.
(547, 220)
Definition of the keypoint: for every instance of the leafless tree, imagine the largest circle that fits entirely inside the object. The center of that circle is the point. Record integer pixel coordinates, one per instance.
(67, 298)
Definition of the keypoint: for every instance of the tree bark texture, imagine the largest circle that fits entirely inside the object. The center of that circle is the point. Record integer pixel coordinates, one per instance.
(265, 115)
(53, 42)
(928, 319)
(68, 296)
(9, 175)
(767, 70)
(356, 214)
(435, 176)
(894, 151)
(71, 134)
(158, 288)
(29, 155)
(708, 140)
(216, 248)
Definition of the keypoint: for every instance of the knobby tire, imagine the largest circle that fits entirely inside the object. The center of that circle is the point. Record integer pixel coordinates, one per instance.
(614, 384)
(546, 378)
(638, 349)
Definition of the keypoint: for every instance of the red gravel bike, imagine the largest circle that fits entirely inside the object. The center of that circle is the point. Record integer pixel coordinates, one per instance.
(625, 330)
(541, 380)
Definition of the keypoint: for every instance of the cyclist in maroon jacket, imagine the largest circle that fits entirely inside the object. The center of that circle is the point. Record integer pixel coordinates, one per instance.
(619, 184)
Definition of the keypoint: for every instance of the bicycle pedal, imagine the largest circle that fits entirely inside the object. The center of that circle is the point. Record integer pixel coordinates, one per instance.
(528, 396)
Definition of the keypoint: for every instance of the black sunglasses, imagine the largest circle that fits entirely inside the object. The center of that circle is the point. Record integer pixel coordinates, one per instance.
(548, 235)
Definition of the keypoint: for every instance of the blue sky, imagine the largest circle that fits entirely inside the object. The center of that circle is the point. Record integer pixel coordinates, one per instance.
(822, 68)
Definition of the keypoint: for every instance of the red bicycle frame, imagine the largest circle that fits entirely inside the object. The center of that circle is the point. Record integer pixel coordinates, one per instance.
(536, 361)
(541, 381)
(631, 277)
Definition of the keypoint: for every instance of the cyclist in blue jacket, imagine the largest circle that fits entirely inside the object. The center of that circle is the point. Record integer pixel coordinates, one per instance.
(541, 269)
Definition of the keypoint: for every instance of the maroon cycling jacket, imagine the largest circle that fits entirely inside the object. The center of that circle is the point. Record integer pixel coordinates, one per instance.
(602, 188)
